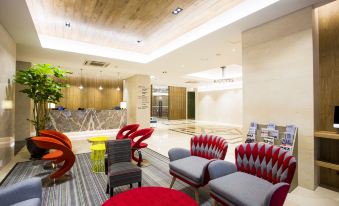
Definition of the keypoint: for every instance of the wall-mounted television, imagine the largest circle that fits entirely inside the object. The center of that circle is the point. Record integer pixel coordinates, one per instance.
(336, 117)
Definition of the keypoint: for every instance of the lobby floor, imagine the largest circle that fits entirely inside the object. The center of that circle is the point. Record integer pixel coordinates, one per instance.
(167, 136)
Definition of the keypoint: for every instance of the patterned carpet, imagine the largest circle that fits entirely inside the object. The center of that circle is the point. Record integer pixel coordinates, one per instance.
(87, 188)
(232, 135)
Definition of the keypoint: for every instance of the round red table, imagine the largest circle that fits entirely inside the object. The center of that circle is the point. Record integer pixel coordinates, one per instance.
(151, 196)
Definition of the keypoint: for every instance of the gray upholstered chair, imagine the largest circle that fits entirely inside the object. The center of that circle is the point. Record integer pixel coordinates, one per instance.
(25, 193)
(120, 169)
(191, 166)
(261, 175)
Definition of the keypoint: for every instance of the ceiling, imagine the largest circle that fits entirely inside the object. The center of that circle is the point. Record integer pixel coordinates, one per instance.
(221, 47)
(139, 26)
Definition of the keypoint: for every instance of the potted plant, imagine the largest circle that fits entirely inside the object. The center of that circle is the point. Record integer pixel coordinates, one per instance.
(42, 85)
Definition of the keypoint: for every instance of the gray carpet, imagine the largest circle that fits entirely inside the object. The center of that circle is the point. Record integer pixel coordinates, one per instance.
(87, 188)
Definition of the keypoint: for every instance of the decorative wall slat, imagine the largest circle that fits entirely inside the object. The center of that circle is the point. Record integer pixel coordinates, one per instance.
(90, 96)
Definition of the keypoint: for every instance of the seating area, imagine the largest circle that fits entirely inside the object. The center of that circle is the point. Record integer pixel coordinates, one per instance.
(169, 103)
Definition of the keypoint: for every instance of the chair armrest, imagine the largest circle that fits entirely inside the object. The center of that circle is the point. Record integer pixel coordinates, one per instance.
(25, 190)
(277, 194)
(219, 168)
(178, 153)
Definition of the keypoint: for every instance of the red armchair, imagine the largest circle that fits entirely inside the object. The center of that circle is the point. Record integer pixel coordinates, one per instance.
(65, 154)
(126, 131)
(191, 166)
(138, 144)
(261, 175)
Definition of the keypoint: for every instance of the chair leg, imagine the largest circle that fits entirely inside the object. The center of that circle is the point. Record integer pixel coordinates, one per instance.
(139, 184)
(172, 182)
(140, 158)
(111, 191)
(107, 189)
(130, 185)
(214, 202)
(196, 194)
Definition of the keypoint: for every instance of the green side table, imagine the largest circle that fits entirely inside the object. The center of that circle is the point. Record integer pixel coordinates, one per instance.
(98, 157)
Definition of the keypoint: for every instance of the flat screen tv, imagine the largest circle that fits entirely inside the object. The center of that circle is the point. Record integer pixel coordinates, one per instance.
(336, 117)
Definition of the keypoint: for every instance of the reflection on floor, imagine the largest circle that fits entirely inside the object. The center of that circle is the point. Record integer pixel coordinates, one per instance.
(164, 139)
(232, 135)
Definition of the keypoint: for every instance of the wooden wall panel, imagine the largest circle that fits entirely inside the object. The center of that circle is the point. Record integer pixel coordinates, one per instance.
(90, 96)
(176, 103)
(328, 63)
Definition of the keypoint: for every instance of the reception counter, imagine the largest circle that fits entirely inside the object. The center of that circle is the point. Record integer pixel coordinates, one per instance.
(86, 120)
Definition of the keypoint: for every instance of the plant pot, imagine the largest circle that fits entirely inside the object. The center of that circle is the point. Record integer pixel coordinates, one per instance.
(35, 151)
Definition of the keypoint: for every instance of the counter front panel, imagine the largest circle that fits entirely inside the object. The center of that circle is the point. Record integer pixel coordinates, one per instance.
(86, 120)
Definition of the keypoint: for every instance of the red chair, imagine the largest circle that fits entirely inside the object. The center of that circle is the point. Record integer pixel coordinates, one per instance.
(65, 154)
(139, 144)
(58, 136)
(127, 130)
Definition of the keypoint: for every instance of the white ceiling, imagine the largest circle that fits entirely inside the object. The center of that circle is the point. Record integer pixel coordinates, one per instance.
(194, 57)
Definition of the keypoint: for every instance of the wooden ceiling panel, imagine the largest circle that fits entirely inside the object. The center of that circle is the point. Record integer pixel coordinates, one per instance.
(121, 23)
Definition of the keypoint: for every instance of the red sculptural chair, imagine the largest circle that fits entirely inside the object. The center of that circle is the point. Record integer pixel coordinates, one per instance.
(138, 144)
(127, 130)
(190, 166)
(67, 155)
(62, 138)
(261, 175)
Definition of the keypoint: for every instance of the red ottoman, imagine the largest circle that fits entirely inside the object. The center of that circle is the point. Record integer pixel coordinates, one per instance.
(151, 196)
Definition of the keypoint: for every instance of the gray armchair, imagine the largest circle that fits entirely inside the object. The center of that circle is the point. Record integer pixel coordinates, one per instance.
(191, 166)
(25, 193)
(120, 170)
(260, 176)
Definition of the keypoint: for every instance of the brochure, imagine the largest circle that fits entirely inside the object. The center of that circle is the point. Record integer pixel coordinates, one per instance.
(264, 132)
(271, 126)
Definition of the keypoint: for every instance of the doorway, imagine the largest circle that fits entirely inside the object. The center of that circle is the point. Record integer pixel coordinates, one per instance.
(190, 105)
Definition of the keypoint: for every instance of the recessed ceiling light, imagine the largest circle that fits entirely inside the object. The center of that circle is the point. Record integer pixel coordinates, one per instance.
(139, 41)
(177, 10)
(182, 66)
(68, 24)
(234, 49)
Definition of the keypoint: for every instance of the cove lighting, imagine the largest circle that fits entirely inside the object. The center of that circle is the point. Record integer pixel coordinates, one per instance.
(232, 15)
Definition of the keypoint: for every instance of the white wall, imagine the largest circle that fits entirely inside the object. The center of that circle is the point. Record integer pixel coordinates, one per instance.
(278, 81)
(223, 107)
(137, 92)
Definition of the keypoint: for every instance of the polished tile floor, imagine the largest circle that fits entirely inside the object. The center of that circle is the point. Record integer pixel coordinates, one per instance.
(165, 137)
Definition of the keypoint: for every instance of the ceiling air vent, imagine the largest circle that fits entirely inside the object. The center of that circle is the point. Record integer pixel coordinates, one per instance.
(192, 82)
(96, 63)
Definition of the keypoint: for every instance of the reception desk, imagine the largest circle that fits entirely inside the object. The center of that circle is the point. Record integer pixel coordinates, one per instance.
(86, 120)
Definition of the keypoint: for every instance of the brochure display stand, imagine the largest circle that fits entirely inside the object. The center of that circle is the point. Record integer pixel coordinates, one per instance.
(282, 136)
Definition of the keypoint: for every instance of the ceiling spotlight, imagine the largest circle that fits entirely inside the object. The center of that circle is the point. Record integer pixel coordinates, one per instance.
(118, 88)
(81, 87)
(234, 49)
(68, 24)
(164, 72)
(177, 10)
(139, 41)
(100, 88)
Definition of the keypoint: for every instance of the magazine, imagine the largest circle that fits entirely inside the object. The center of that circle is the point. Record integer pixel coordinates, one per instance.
(274, 133)
(264, 132)
(269, 140)
(271, 126)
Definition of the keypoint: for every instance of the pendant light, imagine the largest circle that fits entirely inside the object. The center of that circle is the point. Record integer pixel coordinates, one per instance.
(81, 87)
(118, 88)
(100, 87)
